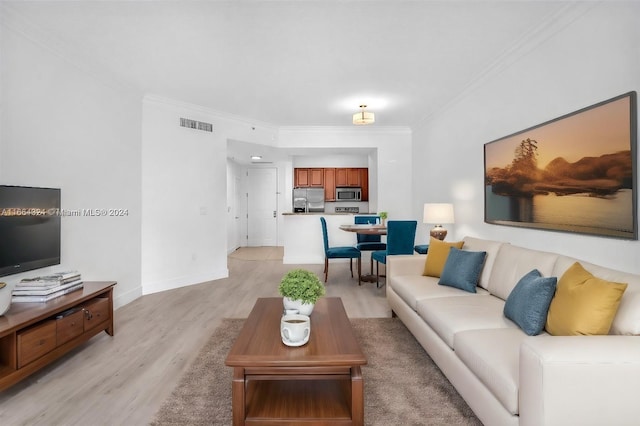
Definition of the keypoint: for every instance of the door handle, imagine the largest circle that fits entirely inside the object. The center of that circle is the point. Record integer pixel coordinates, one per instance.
(274, 213)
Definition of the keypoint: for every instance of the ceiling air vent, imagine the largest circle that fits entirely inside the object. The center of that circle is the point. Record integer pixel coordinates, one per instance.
(199, 125)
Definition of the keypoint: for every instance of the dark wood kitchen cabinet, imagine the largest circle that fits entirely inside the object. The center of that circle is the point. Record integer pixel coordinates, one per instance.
(364, 183)
(329, 184)
(301, 178)
(348, 177)
(305, 178)
(330, 178)
(341, 177)
(316, 177)
(353, 177)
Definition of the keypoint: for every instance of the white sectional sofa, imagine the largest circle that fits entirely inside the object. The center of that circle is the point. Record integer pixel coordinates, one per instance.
(506, 376)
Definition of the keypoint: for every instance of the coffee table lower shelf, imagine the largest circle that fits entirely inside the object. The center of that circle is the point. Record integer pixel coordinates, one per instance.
(316, 400)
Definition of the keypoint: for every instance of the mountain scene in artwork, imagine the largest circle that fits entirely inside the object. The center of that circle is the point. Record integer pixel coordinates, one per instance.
(599, 176)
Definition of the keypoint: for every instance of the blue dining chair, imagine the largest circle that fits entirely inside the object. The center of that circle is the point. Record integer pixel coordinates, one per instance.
(347, 252)
(401, 235)
(368, 242)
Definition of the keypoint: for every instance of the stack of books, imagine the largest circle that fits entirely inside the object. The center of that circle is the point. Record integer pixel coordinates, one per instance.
(45, 288)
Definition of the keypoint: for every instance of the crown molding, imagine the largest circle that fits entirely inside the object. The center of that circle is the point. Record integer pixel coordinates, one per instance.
(163, 100)
(21, 26)
(347, 129)
(554, 23)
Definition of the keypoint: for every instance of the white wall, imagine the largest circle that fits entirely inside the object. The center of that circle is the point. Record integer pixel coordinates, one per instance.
(594, 58)
(63, 126)
(389, 166)
(337, 160)
(184, 192)
(183, 199)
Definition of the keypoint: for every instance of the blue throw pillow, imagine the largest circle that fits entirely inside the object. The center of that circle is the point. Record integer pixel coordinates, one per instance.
(462, 269)
(528, 302)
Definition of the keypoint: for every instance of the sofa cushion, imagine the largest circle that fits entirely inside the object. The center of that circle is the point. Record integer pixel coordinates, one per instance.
(437, 256)
(462, 269)
(450, 315)
(493, 356)
(512, 263)
(583, 304)
(627, 319)
(528, 303)
(491, 247)
(412, 288)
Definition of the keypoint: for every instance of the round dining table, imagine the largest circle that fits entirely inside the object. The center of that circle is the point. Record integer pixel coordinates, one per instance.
(380, 230)
(367, 229)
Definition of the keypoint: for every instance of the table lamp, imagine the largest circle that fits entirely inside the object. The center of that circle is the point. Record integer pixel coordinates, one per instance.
(438, 213)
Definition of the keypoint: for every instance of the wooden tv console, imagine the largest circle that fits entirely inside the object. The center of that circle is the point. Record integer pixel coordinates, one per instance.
(33, 335)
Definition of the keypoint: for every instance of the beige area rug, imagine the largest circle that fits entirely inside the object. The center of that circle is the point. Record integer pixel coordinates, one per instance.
(258, 253)
(402, 384)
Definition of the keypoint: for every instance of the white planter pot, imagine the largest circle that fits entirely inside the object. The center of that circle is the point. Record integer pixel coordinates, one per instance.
(303, 308)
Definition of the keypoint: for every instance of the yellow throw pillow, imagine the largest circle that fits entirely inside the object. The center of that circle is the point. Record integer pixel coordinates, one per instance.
(437, 256)
(583, 304)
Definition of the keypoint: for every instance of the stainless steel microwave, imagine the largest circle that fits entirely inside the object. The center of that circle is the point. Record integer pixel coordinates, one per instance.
(348, 194)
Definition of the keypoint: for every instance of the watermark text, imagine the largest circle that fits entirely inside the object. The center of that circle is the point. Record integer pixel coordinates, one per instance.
(19, 211)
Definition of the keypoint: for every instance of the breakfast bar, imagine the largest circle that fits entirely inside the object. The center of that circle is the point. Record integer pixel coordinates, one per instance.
(302, 236)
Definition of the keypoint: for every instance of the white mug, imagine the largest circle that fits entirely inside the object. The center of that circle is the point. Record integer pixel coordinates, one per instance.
(295, 329)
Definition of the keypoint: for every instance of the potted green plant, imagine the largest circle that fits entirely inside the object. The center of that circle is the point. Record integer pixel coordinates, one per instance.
(300, 290)
(383, 218)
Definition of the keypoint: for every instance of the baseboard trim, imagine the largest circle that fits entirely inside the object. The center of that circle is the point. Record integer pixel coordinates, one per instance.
(184, 281)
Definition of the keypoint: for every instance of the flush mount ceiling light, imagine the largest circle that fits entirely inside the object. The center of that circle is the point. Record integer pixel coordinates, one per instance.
(363, 117)
(256, 157)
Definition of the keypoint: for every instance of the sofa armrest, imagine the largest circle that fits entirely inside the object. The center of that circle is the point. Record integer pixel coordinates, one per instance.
(579, 380)
(405, 265)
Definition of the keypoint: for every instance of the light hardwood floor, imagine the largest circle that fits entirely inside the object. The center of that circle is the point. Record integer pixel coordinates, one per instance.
(123, 380)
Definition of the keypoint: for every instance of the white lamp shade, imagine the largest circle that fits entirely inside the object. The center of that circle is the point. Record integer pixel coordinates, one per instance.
(438, 213)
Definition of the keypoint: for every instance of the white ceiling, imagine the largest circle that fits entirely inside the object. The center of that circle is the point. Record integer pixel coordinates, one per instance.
(292, 63)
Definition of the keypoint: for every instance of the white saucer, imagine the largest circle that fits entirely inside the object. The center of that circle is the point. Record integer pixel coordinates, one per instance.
(288, 343)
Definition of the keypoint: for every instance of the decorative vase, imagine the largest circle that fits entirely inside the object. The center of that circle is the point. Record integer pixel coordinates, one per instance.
(302, 308)
(5, 296)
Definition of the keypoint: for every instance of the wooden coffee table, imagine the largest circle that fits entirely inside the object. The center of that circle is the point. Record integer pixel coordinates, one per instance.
(319, 383)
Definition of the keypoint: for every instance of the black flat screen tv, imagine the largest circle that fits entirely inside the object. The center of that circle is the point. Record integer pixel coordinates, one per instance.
(29, 228)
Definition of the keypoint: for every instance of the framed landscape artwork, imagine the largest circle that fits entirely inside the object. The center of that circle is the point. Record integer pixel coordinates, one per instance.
(576, 173)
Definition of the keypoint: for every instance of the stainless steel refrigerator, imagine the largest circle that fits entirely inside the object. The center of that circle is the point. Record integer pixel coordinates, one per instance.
(308, 200)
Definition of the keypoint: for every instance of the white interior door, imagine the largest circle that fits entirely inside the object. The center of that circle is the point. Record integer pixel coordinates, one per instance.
(262, 207)
(234, 219)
